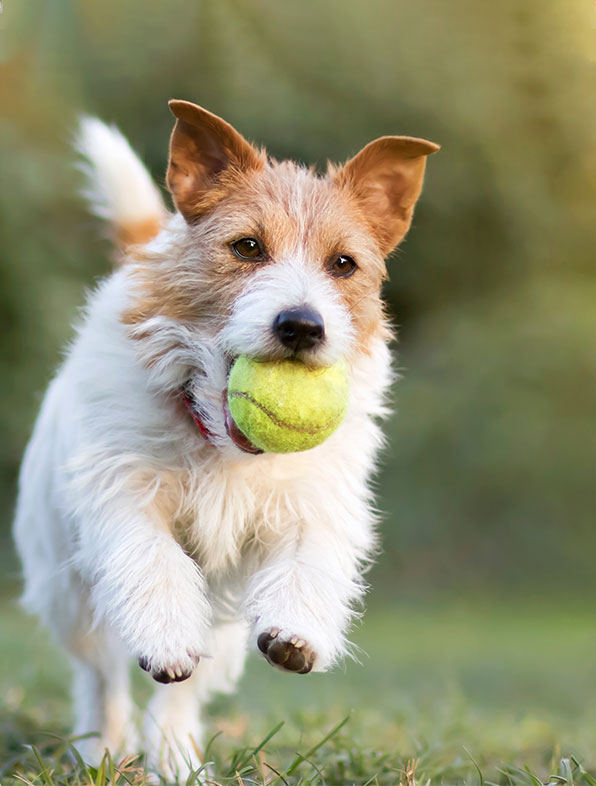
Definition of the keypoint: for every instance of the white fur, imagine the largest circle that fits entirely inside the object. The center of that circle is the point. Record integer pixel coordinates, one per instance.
(120, 189)
(287, 284)
(139, 538)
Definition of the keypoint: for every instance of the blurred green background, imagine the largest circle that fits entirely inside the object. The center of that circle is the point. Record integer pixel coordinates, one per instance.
(481, 628)
(488, 481)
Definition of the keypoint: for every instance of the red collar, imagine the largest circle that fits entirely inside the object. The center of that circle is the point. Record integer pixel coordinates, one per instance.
(205, 433)
(237, 437)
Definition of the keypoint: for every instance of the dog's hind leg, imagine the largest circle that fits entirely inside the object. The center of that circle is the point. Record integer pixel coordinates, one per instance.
(173, 728)
(101, 696)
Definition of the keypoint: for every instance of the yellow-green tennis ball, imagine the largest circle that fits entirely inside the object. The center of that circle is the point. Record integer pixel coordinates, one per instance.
(284, 406)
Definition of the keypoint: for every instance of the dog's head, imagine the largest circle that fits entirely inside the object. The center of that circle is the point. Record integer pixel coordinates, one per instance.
(267, 258)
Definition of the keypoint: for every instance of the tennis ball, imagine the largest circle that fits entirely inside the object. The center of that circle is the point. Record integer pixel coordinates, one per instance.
(285, 406)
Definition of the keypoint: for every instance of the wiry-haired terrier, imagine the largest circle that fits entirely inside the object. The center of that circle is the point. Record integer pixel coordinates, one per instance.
(144, 536)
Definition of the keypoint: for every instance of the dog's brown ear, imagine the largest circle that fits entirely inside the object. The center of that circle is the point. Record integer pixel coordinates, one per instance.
(202, 147)
(386, 177)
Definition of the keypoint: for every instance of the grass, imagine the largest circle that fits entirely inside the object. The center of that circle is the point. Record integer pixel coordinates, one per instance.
(448, 693)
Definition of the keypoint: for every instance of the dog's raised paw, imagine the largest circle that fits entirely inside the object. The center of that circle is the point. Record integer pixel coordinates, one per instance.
(290, 653)
(177, 672)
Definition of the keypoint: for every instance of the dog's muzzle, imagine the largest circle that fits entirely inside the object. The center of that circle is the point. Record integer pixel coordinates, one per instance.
(299, 328)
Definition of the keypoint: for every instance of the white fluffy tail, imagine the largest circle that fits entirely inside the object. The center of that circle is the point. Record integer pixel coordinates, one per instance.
(120, 190)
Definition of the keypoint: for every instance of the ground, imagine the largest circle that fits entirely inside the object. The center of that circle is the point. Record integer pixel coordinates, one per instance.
(447, 692)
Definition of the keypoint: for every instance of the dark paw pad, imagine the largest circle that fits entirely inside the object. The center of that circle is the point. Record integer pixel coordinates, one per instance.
(175, 673)
(293, 654)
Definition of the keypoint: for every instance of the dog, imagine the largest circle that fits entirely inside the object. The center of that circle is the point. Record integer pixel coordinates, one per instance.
(147, 524)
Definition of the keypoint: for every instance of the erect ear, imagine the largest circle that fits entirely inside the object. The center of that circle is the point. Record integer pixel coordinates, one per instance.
(203, 146)
(386, 177)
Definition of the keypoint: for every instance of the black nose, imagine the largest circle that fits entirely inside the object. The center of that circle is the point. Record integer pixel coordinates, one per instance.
(299, 328)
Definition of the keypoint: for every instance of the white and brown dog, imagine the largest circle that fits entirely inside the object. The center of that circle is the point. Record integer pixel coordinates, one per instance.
(139, 535)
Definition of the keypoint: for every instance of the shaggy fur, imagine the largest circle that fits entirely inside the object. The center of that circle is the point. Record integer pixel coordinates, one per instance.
(138, 537)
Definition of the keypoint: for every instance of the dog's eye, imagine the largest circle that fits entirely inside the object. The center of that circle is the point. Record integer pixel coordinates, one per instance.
(248, 248)
(342, 266)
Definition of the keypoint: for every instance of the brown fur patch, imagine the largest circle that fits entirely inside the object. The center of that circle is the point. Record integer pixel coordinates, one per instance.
(204, 151)
(386, 176)
(137, 233)
(293, 212)
(226, 189)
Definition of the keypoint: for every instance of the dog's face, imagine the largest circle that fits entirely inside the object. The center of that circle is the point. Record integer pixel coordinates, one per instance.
(272, 261)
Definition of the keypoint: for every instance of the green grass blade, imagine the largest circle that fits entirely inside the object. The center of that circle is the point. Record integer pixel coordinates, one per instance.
(475, 763)
(45, 772)
(243, 762)
(302, 757)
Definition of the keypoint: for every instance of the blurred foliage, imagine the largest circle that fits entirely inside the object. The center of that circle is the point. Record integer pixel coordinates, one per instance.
(489, 478)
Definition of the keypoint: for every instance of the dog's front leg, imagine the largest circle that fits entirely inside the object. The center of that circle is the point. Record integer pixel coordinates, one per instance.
(145, 587)
(301, 600)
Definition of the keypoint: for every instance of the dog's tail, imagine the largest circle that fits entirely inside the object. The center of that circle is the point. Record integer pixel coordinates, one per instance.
(119, 188)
